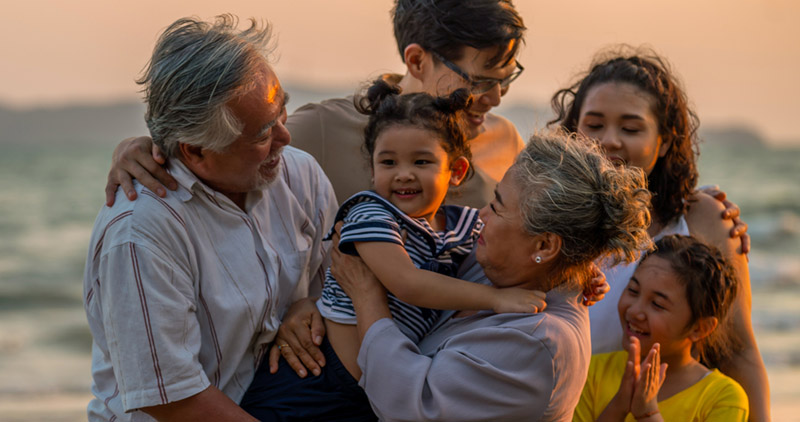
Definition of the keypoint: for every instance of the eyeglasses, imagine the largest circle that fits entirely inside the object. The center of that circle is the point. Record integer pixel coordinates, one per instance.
(480, 85)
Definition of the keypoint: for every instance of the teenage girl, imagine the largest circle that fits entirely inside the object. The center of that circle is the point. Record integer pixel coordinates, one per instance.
(673, 309)
(417, 149)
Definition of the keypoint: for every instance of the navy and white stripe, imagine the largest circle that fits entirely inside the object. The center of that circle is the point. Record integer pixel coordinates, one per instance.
(370, 218)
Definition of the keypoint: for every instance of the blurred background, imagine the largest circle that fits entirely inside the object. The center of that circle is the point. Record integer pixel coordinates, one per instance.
(67, 97)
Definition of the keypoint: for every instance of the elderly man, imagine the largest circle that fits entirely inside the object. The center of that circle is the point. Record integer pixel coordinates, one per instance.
(184, 294)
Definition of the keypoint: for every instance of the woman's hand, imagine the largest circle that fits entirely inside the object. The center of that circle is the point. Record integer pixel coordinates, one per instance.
(354, 276)
(360, 284)
(515, 299)
(644, 403)
(597, 287)
(298, 339)
(140, 159)
(731, 212)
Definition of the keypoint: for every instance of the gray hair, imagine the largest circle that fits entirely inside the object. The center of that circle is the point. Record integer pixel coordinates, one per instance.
(568, 188)
(196, 69)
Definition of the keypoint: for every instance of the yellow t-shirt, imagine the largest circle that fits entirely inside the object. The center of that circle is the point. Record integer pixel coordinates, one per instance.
(716, 397)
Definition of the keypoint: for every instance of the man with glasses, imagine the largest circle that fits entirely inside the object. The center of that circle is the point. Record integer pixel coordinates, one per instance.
(446, 45)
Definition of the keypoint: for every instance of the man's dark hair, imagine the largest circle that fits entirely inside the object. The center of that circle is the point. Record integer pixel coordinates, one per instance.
(446, 26)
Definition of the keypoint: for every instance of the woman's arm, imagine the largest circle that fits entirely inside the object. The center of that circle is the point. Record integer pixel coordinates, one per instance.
(477, 377)
(140, 159)
(393, 267)
(744, 364)
(494, 373)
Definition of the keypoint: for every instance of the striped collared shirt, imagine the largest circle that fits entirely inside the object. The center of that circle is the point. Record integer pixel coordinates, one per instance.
(370, 218)
(187, 291)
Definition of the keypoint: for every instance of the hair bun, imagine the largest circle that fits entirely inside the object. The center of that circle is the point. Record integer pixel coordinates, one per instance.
(369, 102)
(458, 100)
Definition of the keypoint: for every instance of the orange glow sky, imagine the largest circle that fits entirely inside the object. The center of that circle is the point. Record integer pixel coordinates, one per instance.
(739, 59)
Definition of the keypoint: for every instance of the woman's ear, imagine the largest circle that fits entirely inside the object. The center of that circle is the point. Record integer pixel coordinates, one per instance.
(458, 170)
(417, 60)
(662, 150)
(702, 328)
(546, 247)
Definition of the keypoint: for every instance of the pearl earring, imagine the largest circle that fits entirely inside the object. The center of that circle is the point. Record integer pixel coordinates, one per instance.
(538, 259)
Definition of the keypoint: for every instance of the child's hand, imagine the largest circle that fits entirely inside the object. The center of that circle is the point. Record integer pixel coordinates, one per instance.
(644, 403)
(597, 287)
(514, 299)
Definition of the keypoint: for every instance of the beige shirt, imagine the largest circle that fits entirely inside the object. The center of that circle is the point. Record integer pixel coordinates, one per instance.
(333, 132)
(186, 291)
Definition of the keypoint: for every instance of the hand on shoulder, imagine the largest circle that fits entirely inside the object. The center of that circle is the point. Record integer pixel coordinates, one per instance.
(705, 222)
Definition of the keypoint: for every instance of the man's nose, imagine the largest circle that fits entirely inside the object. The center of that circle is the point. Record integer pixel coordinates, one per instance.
(280, 135)
(492, 96)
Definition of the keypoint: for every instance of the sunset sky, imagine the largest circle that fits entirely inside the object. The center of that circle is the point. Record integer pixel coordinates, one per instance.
(739, 59)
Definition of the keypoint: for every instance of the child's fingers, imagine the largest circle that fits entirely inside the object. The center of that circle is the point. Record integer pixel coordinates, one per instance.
(662, 373)
(634, 356)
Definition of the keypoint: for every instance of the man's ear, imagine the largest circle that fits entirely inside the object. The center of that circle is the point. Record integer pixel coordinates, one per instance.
(192, 154)
(702, 328)
(546, 247)
(458, 170)
(417, 60)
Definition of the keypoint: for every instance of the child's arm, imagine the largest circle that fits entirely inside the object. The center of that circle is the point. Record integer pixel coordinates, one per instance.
(395, 270)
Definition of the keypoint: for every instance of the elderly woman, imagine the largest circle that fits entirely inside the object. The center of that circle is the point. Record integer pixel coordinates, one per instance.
(558, 208)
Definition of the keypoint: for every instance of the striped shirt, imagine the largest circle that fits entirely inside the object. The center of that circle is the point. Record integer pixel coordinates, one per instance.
(369, 218)
(185, 292)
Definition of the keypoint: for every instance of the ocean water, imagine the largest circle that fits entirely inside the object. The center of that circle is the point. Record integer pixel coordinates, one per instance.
(49, 196)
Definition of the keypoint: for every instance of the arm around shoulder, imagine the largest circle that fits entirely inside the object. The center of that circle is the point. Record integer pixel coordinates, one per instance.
(745, 365)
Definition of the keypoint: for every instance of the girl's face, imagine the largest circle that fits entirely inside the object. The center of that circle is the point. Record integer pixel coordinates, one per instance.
(620, 117)
(654, 309)
(412, 170)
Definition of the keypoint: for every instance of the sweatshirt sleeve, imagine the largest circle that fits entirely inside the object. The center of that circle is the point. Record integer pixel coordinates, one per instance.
(474, 376)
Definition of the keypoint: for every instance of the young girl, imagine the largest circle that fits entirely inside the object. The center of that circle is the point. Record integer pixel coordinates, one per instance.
(417, 148)
(675, 306)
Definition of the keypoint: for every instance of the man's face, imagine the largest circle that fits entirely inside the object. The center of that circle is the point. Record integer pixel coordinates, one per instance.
(252, 161)
(473, 62)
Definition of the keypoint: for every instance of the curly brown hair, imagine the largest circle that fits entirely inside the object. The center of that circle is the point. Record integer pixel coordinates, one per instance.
(674, 177)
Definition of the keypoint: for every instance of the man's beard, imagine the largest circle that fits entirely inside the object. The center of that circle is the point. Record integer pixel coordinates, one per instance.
(268, 173)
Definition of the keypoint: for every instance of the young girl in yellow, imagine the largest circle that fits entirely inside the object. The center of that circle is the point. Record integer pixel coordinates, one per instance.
(674, 306)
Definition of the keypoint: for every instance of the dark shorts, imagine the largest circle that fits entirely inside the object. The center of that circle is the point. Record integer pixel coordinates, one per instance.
(334, 395)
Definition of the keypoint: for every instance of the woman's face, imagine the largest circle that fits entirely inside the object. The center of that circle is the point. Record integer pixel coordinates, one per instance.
(504, 249)
(620, 117)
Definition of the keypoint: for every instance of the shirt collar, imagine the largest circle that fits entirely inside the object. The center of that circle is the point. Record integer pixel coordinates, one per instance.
(192, 184)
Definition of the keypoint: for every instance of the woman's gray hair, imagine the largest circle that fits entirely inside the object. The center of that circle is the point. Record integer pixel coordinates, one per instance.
(568, 188)
(196, 69)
